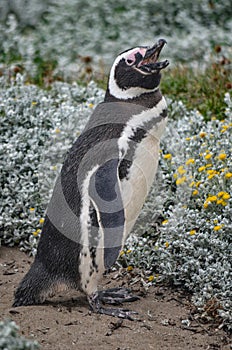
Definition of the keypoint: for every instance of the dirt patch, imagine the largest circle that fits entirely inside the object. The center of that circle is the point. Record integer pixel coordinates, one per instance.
(64, 322)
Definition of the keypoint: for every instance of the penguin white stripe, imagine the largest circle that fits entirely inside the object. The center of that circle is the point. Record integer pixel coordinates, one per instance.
(138, 121)
(84, 216)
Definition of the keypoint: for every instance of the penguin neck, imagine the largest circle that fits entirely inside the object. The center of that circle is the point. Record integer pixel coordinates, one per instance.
(148, 99)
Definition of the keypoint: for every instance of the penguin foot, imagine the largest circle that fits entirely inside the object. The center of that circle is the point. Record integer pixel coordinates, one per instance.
(107, 296)
(116, 296)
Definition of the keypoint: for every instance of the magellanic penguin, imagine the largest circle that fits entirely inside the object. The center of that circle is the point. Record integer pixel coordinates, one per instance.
(102, 186)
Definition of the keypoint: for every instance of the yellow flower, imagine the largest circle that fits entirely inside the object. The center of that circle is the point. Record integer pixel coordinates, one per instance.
(181, 180)
(192, 184)
(151, 278)
(192, 232)
(54, 167)
(220, 194)
(228, 175)
(222, 156)
(206, 204)
(212, 199)
(166, 244)
(175, 176)
(195, 192)
(164, 222)
(128, 251)
(129, 268)
(198, 183)
(219, 201)
(34, 103)
(218, 227)
(202, 168)
(224, 203)
(202, 134)
(91, 105)
(122, 253)
(41, 221)
(215, 221)
(208, 156)
(188, 138)
(224, 128)
(190, 161)
(167, 156)
(35, 233)
(57, 130)
(181, 170)
(226, 196)
(32, 210)
(211, 176)
(208, 165)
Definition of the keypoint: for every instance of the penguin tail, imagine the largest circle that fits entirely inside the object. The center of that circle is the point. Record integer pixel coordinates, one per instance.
(34, 287)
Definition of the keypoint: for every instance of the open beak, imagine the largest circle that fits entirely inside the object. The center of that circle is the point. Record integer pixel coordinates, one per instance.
(149, 63)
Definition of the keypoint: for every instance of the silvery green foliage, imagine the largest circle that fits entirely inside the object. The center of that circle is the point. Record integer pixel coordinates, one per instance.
(193, 246)
(27, 13)
(37, 128)
(103, 29)
(10, 340)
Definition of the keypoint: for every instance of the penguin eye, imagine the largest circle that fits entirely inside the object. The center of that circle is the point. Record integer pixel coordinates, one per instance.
(129, 61)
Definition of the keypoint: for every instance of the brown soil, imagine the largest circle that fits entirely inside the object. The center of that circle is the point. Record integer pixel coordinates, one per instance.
(165, 320)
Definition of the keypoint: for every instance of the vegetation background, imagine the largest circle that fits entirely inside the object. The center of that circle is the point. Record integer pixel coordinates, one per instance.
(54, 59)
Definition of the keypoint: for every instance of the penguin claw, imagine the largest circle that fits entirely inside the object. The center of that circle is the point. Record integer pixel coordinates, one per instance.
(121, 313)
(112, 296)
(116, 296)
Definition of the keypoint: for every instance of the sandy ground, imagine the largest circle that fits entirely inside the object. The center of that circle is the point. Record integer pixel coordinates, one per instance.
(165, 321)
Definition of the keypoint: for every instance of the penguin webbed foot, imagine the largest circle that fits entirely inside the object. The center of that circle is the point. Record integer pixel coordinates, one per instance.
(117, 296)
(112, 296)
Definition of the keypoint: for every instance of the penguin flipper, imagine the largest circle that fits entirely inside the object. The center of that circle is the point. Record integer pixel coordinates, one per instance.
(105, 193)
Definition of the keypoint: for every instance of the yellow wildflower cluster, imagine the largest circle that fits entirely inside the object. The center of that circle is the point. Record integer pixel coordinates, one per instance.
(180, 171)
(219, 199)
(181, 180)
(211, 173)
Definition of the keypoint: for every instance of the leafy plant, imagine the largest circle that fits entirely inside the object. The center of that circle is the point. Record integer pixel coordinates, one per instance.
(11, 340)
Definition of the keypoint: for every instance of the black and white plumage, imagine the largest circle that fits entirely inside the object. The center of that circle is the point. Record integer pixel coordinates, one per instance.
(102, 186)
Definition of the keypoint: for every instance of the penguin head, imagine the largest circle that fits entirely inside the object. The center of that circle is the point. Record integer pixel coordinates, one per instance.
(136, 71)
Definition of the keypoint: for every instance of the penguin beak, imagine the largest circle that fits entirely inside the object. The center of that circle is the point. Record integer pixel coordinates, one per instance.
(149, 63)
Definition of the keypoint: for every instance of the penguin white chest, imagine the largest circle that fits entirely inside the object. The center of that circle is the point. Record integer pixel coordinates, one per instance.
(136, 185)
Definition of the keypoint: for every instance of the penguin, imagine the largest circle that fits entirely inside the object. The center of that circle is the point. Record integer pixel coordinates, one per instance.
(102, 187)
